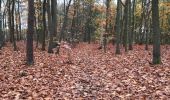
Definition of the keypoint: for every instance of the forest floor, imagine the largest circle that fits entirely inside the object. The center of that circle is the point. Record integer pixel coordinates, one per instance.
(92, 74)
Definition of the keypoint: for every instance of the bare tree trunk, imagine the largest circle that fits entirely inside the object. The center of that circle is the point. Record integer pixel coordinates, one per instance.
(16, 25)
(12, 26)
(19, 15)
(126, 17)
(9, 19)
(62, 33)
(30, 32)
(50, 27)
(130, 25)
(107, 15)
(73, 22)
(118, 27)
(156, 31)
(44, 25)
(133, 25)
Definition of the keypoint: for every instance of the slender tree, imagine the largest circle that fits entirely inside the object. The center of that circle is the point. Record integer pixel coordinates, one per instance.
(133, 24)
(62, 33)
(30, 32)
(1, 34)
(12, 26)
(118, 28)
(130, 24)
(51, 19)
(19, 20)
(9, 19)
(44, 25)
(126, 24)
(107, 15)
(156, 33)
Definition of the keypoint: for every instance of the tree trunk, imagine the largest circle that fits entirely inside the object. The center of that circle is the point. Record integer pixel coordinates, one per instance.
(62, 33)
(130, 25)
(30, 32)
(12, 26)
(107, 15)
(16, 25)
(73, 22)
(9, 20)
(118, 27)
(156, 31)
(126, 23)
(19, 15)
(44, 26)
(133, 25)
(50, 27)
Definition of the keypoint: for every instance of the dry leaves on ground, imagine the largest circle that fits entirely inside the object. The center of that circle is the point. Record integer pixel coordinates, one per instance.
(92, 74)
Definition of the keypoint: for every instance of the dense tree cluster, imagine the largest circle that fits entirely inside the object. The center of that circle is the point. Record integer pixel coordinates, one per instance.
(126, 22)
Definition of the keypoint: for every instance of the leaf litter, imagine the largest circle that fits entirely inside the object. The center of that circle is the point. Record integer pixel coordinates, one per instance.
(92, 74)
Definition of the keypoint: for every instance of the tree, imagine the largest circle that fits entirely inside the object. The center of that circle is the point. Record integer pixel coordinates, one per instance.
(117, 27)
(12, 30)
(133, 24)
(62, 33)
(30, 32)
(52, 20)
(126, 24)
(1, 34)
(19, 19)
(107, 15)
(44, 25)
(156, 33)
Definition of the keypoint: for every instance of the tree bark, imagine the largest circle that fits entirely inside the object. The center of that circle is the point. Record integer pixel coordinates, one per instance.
(118, 27)
(30, 32)
(156, 31)
(12, 26)
(44, 26)
(62, 33)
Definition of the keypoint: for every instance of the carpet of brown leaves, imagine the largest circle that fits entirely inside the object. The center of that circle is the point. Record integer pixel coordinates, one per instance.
(92, 75)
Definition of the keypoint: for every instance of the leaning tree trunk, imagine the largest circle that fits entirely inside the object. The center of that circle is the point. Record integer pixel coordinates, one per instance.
(30, 32)
(156, 31)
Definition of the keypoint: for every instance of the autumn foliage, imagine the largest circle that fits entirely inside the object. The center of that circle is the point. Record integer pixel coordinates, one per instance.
(92, 74)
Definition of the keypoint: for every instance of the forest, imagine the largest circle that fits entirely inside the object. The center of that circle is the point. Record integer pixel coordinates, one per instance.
(84, 49)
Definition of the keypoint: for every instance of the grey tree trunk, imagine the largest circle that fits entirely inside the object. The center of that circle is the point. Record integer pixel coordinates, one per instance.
(107, 15)
(50, 26)
(156, 31)
(44, 26)
(62, 33)
(126, 23)
(130, 25)
(19, 15)
(133, 25)
(12, 26)
(9, 19)
(30, 32)
(118, 27)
